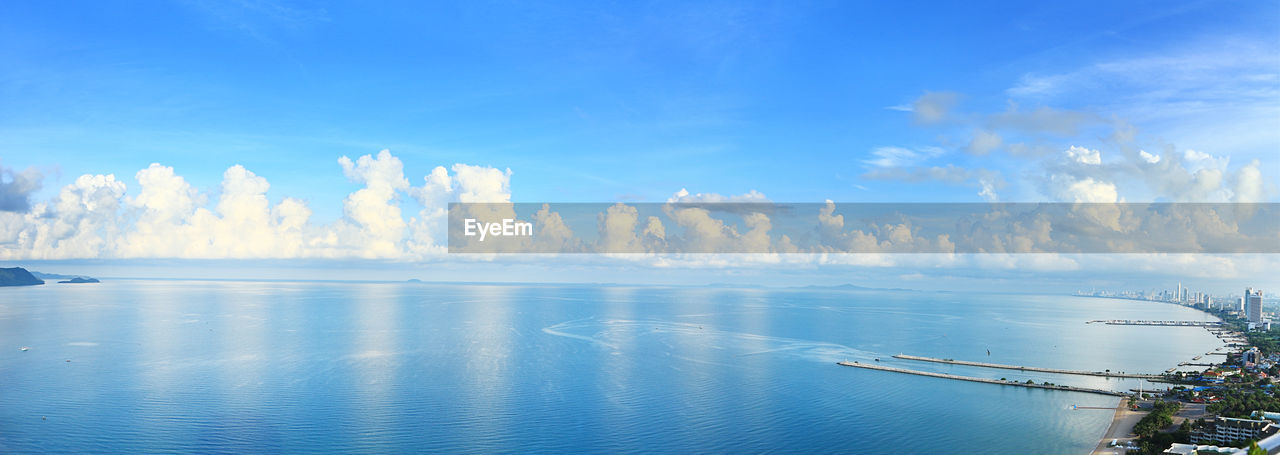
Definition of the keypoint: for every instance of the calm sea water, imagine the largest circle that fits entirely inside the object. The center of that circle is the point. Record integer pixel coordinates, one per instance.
(205, 367)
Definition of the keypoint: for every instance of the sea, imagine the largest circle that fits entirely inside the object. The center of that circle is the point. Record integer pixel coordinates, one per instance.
(144, 366)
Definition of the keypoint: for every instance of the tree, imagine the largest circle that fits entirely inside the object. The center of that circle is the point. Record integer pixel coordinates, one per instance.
(1255, 450)
(1183, 434)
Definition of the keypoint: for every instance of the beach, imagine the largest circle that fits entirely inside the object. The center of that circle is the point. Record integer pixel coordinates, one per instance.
(1121, 429)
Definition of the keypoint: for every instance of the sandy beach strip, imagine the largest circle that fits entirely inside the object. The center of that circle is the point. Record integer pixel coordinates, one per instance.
(1121, 428)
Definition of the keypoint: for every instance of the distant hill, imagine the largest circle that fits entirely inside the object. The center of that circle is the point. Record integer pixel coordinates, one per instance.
(54, 276)
(18, 276)
(77, 280)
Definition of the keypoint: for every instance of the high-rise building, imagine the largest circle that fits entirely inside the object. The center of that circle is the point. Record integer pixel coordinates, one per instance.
(1253, 304)
(1178, 296)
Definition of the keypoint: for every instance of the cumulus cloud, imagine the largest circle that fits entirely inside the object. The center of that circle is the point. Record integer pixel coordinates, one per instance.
(16, 188)
(94, 217)
(166, 216)
(373, 226)
(78, 223)
(1249, 186)
(1149, 158)
(467, 184)
(1089, 190)
(1084, 156)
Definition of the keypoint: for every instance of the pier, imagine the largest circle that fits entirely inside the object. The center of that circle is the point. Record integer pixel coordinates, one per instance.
(1158, 323)
(1107, 374)
(988, 381)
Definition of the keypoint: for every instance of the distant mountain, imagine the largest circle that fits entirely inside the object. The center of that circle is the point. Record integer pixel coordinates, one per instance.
(18, 276)
(78, 280)
(53, 276)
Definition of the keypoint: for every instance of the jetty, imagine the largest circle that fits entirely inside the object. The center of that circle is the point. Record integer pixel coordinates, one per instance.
(985, 380)
(1107, 374)
(1157, 323)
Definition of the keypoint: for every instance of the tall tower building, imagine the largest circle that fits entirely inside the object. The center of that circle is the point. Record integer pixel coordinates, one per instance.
(1253, 304)
(1178, 296)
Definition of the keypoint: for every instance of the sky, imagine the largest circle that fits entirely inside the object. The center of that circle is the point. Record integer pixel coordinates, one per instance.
(313, 132)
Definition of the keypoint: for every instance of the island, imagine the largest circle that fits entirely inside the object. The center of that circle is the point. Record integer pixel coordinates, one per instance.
(78, 280)
(18, 276)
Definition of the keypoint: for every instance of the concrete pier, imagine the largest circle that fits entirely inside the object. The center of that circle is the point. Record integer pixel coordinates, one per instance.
(1026, 368)
(1157, 323)
(988, 381)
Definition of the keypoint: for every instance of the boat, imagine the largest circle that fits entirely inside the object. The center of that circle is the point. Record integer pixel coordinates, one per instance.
(24, 348)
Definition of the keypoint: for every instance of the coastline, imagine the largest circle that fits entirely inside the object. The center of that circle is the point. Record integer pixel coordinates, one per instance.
(1124, 419)
(1121, 428)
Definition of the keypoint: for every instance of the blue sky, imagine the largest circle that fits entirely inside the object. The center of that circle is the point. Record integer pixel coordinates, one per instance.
(634, 101)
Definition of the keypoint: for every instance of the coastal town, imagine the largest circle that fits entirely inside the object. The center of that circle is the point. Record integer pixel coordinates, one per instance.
(1221, 402)
(1226, 406)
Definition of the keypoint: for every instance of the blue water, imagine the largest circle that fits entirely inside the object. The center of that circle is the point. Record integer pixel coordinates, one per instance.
(210, 367)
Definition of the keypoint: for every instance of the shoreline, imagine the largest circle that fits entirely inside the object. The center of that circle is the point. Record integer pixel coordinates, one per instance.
(1121, 429)
(1124, 419)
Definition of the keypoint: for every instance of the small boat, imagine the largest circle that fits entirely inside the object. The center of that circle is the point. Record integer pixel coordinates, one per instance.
(877, 359)
(24, 348)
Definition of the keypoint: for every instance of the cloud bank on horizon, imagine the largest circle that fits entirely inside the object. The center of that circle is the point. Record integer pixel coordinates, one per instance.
(96, 217)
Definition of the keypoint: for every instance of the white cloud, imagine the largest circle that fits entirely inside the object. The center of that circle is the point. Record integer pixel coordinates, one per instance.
(1196, 161)
(1208, 91)
(887, 157)
(16, 188)
(1084, 156)
(984, 142)
(1090, 190)
(468, 184)
(78, 223)
(373, 226)
(988, 182)
(482, 184)
(748, 197)
(168, 218)
(1249, 184)
(1149, 158)
(934, 107)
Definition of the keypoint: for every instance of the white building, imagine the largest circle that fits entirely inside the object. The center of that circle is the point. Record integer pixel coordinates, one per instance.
(1253, 304)
(1192, 449)
(1226, 430)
